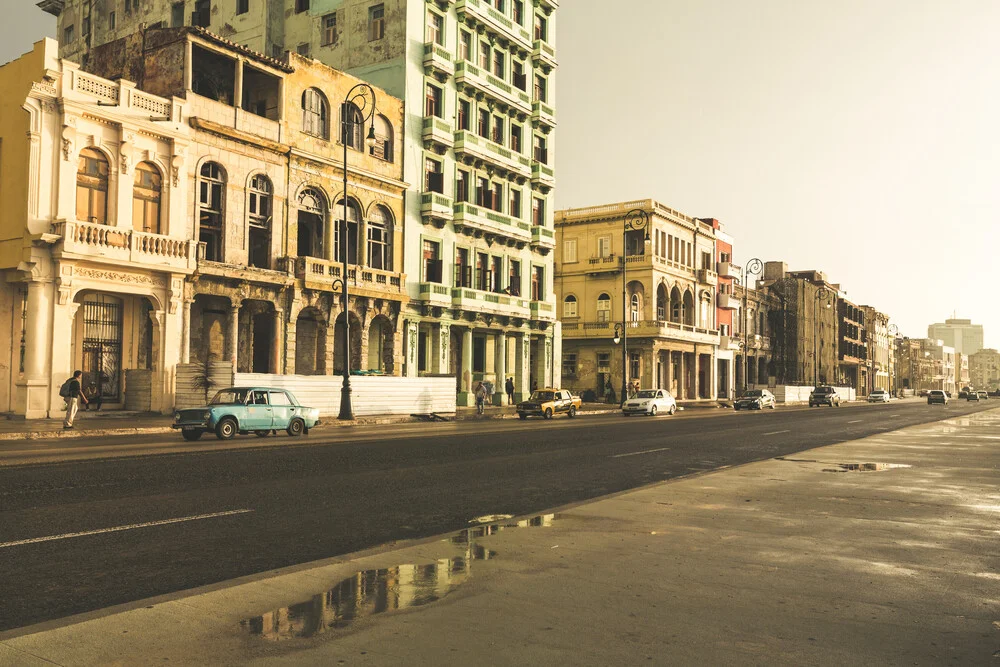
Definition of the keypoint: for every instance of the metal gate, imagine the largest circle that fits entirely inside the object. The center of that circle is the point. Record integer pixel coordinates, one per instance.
(102, 348)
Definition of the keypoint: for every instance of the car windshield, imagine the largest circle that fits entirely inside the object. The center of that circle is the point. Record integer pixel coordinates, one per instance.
(753, 393)
(879, 391)
(646, 393)
(541, 396)
(823, 390)
(938, 393)
(230, 397)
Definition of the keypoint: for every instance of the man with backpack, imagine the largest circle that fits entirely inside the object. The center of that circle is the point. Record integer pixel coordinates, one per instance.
(71, 393)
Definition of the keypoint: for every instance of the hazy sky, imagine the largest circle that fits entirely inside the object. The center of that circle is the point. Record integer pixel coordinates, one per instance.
(859, 137)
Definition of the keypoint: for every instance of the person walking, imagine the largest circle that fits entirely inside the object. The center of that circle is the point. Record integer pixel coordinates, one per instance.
(480, 398)
(509, 387)
(70, 391)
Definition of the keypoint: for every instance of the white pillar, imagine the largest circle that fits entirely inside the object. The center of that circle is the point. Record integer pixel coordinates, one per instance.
(522, 376)
(234, 332)
(277, 351)
(412, 348)
(466, 396)
(442, 354)
(500, 367)
(186, 331)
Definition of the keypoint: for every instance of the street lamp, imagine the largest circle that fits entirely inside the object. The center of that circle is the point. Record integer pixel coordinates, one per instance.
(826, 297)
(362, 98)
(635, 220)
(751, 268)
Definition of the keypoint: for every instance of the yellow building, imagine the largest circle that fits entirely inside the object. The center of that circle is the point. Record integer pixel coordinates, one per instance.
(666, 298)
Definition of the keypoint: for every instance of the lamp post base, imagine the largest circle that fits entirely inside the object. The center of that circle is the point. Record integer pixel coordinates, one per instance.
(346, 409)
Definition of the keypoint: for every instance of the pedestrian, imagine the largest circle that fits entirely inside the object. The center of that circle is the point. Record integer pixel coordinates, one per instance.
(480, 398)
(509, 387)
(534, 385)
(93, 396)
(71, 393)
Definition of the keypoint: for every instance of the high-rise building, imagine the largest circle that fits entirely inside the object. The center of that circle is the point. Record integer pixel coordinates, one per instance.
(963, 335)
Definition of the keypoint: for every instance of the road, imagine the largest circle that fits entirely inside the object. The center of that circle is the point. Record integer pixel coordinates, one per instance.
(160, 516)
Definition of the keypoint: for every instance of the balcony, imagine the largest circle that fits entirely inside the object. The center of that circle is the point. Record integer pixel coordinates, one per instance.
(438, 132)
(435, 294)
(436, 209)
(479, 301)
(542, 310)
(761, 343)
(543, 115)
(548, 5)
(480, 13)
(469, 76)
(728, 270)
(437, 62)
(444, 5)
(543, 55)
(729, 343)
(728, 302)
(647, 329)
(473, 149)
(321, 274)
(482, 221)
(543, 238)
(608, 264)
(542, 175)
(707, 277)
(117, 246)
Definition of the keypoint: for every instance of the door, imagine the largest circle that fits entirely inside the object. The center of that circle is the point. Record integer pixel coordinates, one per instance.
(281, 409)
(102, 347)
(258, 412)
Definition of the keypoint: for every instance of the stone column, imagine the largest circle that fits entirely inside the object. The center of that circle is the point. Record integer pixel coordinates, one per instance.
(234, 331)
(238, 89)
(466, 396)
(277, 349)
(713, 373)
(548, 379)
(682, 376)
(443, 349)
(522, 367)
(500, 368)
(186, 331)
(165, 353)
(412, 348)
(36, 351)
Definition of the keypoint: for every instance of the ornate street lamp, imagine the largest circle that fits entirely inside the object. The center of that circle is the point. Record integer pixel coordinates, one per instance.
(635, 220)
(752, 268)
(826, 297)
(362, 98)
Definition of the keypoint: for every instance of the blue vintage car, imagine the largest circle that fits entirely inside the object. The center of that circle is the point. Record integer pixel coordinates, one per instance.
(257, 410)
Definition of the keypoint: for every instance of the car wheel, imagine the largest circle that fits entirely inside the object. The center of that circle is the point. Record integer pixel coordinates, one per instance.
(522, 415)
(652, 411)
(226, 429)
(548, 413)
(736, 408)
(672, 410)
(773, 406)
(191, 436)
(296, 427)
(262, 434)
(572, 412)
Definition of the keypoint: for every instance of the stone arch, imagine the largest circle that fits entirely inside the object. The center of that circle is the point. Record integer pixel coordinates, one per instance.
(356, 338)
(676, 305)
(380, 345)
(688, 308)
(662, 302)
(310, 342)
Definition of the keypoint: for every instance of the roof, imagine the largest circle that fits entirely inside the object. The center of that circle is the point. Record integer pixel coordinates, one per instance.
(239, 48)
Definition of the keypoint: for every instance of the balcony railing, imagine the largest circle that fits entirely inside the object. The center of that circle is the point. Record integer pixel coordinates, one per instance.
(543, 237)
(479, 149)
(322, 273)
(467, 74)
(542, 174)
(114, 245)
(649, 329)
(485, 220)
(543, 114)
(728, 270)
(480, 301)
(436, 207)
(437, 61)
(438, 131)
(707, 277)
(481, 13)
(544, 54)
(542, 310)
(728, 302)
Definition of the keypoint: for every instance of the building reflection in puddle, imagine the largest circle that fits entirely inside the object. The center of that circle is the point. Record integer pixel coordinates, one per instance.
(372, 592)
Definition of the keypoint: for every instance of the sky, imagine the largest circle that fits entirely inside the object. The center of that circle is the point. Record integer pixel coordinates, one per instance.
(859, 138)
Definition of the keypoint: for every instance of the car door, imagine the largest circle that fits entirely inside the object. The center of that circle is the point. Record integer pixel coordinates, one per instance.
(281, 409)
(258, 412)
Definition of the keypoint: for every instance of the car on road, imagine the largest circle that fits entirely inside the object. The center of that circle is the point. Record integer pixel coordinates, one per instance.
(824, 396)
(650, 402)
(938, 396)
(923, 392)
(549, 402)
(983, 396)
(755, 399)
(878, 396)
(242, 410)
(972, 396)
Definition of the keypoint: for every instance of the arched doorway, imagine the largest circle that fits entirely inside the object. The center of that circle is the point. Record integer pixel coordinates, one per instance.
(380, 335)
(338, 344)
(310, 342)
(688, 308)
(675, 306)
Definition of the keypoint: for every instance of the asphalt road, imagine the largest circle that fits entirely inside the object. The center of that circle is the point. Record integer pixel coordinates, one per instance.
(182, 517)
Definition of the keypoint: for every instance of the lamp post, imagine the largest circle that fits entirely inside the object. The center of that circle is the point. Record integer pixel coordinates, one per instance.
(635, 220)
(826, 297)
(362, 99)
(752, 268)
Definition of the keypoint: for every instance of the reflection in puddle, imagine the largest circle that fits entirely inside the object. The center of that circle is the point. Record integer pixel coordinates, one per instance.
(372, 592)
(865, 467)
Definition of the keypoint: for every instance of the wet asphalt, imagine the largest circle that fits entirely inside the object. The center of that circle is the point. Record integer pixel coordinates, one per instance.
(258, 508)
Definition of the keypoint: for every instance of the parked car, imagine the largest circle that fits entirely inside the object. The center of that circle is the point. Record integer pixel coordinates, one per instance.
(548, 403)
(972, 396)
(878, 396)
(938, 396)
(923, 392)
(983, 396)
(755, 399)
(257, 410)
(650, 402)
(824, 396)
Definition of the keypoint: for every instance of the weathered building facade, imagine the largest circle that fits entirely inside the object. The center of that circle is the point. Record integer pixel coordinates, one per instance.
(757, 318)
(984, 369)
(881, 368)
(852, 349)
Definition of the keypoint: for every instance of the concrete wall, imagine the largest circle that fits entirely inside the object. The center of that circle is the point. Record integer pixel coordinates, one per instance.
(797, 394)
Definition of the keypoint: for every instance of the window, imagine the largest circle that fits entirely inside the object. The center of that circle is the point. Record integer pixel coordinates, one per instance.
(462, 186)
(202, 15)
(376, 22)
(541, 27)
(514, 278)
(353, 223)
(484, 56)
(177, 15)
(315, 116)
(433, 177)
(515, 203)
(569, 306)
(351, 126)
(380, 239)
(112, 21)
(383, 148)
(517, 11)
(496, 274)
(435, 28)
(432, 261)
(464, 114)
(92, 187)
(303, 49)
(604, 247)
(635, 303)
(242, 6)
(482, 273)
(301, 6)
(537, 212)
(484, 124)
(483, 192)
(603, 362)
(634, 365)
(279, 398)
(725, 257)
(433, 105)
(464, 45)
(569, 364)
(211, 207)
(85, 27)
(260, 222)
(499, 63)
(499, 4)
(515, 138)
(146, 198)
(706, 260)
(496, 197)
(519, 79)
(569, 251)
(312, 224)
(330, 29)
(68, 35)
(541, 89)
(537, 283)
(604, 308)
(463, 270)
(498, 126)
(540, 149)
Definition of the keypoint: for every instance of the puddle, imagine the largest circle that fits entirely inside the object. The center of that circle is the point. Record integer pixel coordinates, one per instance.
(865, 467)
(378, 591)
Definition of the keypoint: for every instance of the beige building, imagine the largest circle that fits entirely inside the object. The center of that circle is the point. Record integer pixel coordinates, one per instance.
(880, 364)
(984, 369)
(667, 300)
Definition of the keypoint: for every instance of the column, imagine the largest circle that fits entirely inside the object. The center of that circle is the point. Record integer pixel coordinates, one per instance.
(522, 367)
(278, 345)
(442, 350)
(61, 360)
(548, 364)
(165, 355)
(186, 331)
(238, 89)
(234, 331)
(714, 376)
(500, 367)
(412, 332)
(466, 396)
(682, 376)
(36, 350)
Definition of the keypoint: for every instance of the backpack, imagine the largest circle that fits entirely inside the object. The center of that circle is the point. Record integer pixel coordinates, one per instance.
(64, 389)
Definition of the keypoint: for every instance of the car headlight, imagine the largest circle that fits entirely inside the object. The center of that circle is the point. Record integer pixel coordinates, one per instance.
(644, 403)
(207, 416)
(177, 416)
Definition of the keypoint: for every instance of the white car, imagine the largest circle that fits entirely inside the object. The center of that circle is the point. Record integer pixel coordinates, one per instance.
(878, 396)
(650, 402)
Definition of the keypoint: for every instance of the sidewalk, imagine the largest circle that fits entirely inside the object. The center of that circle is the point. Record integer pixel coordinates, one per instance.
(876, 551)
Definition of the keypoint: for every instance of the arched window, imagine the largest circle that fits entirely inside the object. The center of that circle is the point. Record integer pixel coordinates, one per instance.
(569, 306)
(353, 220)
(689, 313)
(380, 238)
(146, 192)
(260, 221)
(351, 123)
(311, 223)
(92, 187)
(211, 208)
(383, 147)
(675, 306)
(634, 310)
(604, 308)
(315, 114)
(661, 303)
(762, 327)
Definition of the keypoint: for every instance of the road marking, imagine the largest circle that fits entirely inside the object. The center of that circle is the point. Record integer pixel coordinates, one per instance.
(648, 451)
(855, 421)
(893, 416)
(116, 529)
(777, 432)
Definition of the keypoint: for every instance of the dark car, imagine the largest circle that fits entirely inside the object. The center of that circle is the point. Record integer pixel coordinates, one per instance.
(824, 396)
(938, 396)
(755, 399)
(983, 396)
(971, 396)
